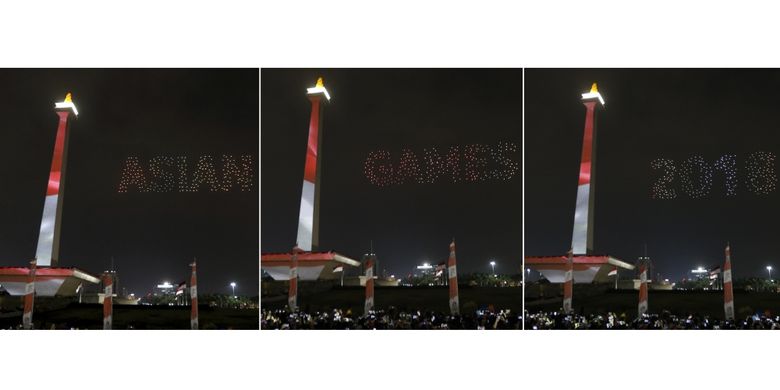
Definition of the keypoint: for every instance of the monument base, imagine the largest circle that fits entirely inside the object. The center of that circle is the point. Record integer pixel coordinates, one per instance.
(49, 282)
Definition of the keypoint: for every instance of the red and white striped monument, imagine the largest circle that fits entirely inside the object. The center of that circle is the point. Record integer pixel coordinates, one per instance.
(194, 296)
(452, 273)
(51, 280)
(308, 219)
(47, 252)
(29, 297)
(292, 292)
(108, 300)
(582, 234)
(642, 308)
(588, 266)
(369, 305)
(568, 281)
(728, 292)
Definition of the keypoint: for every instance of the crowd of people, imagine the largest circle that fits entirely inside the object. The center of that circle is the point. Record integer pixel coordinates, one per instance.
(663, 321)
(389, 319)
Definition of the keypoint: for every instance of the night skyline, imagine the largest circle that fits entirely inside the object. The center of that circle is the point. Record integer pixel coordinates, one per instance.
(380, 118)
(725, 118)
(143, 113)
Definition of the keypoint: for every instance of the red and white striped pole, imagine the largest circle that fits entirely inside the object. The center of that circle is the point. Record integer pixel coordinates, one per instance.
(642, 309)
(194, 296)
(308, 219)
(728, 292)
(47, 251)
(369, 305)
(568, 281)
(292, 292)
(108, 300)
(582, 234)
(452, 272)
(29, 297)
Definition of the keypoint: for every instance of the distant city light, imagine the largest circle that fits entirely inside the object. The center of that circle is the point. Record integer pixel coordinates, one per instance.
(165, 285)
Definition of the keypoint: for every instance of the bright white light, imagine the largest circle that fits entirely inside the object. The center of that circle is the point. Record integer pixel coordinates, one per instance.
(66, 105)
(165, 285)
(769, 267)
(316, 90)
(232, 284)
(593, 95)
(492, 263)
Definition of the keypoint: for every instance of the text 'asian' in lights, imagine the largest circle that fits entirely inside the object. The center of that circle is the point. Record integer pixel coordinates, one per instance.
(171, 174)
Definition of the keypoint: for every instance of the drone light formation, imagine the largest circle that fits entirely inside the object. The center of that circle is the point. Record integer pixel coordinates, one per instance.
(470, 163)
(762, 178)
(171, 174)
(726, 165)
(661, 189)
(697, 175)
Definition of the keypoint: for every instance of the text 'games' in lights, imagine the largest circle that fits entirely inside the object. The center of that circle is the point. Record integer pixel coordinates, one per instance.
(172, 174)
(469, 163)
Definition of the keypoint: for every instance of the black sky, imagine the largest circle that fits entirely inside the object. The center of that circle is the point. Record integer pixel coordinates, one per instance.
(653, 114)
(391, 110)
(143, 113)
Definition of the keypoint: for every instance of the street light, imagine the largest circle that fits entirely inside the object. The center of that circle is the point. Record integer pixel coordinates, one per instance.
(769, 268)
(493, 266)
(233, 286)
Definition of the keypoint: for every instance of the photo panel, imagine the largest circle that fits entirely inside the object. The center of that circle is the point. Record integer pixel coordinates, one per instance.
(651, 198)
(392, 198)
(130, 199)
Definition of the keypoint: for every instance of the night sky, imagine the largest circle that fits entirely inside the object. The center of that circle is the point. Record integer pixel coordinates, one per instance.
(651, 114)
(392, 110)
(143, 113)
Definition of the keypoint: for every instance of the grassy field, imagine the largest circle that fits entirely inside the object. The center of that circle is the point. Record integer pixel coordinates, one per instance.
(403, 298)
(90, 316)
(709, 303)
